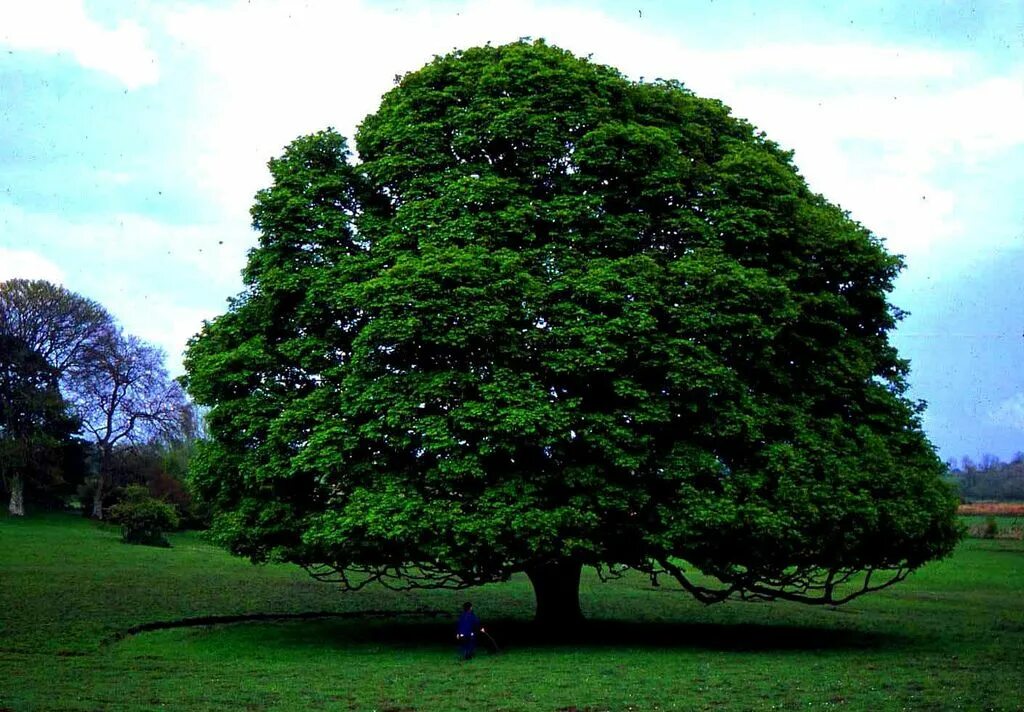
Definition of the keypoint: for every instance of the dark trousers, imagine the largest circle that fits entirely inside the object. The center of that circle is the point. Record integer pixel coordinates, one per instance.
(467, 646)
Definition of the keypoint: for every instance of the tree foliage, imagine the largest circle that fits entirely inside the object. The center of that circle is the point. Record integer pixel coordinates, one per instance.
(36, 427)
(553, 318)
(990, 479)
(115, 383)
(161, 466)
(143, 518)
(58, 324)
(58, 327)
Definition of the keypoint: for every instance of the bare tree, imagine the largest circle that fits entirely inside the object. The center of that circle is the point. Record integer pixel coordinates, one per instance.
(989, 462)
(125, 396)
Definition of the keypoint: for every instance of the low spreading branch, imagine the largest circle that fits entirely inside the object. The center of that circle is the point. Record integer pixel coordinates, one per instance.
(354, 577)
(810, 586)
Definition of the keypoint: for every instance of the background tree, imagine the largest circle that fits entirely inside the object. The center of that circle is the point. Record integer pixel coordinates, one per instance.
(53, 321)
(125, 396)
(161, 466)
(59, 326)
(556, 319)
(116, 383)
(991, 480)
(36, 428)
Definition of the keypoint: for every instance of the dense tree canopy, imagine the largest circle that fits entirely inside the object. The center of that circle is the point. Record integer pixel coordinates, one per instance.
(48, 329)
(36, 426)
(553, 318)
(58, 324)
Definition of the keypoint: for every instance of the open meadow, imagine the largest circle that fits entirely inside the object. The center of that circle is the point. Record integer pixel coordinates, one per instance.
(951, 637)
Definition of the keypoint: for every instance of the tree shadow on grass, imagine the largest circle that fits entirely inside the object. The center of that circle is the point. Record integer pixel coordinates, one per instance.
(411, 630)
(518, 634)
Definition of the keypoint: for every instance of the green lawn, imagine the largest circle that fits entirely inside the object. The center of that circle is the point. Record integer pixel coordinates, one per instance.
(952, 637)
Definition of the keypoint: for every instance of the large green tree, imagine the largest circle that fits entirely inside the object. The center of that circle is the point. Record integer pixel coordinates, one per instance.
(552, 318)
(36, 426)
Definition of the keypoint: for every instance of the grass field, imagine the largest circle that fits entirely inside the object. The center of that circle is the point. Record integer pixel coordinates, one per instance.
(952, 637)
(1003, 526)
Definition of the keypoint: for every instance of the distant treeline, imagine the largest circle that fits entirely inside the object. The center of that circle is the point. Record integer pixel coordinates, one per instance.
(990, 479)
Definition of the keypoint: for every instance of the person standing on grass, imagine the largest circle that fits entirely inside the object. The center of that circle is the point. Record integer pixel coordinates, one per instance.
(466, 630)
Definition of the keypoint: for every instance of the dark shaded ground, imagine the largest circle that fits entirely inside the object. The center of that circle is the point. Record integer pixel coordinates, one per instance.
(390, 630)
(208, 621)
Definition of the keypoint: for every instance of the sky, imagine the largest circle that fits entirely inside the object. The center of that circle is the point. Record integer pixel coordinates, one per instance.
(133, 137)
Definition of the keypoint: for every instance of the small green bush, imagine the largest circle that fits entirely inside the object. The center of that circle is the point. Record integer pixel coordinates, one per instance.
(143, 519)
(991, 528)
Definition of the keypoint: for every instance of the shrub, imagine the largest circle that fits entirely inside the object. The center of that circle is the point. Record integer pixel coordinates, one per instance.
(996, 528)
(143, 519)
(192, 513)
(991, 528)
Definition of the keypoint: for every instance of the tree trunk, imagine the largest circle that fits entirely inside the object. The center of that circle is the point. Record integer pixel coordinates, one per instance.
(106, 451)
(17, 505)
(556, 586)
(97, 500)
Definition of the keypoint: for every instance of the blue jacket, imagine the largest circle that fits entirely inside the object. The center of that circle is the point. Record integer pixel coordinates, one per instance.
(468, 624)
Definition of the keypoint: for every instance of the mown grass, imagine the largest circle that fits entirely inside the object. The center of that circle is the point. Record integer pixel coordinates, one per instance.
(952, 637)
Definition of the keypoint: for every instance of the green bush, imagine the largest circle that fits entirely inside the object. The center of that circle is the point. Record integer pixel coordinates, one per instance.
(143, 519)
(991, 528)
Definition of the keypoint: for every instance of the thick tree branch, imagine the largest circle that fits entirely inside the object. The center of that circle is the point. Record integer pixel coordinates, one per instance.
(815, 587)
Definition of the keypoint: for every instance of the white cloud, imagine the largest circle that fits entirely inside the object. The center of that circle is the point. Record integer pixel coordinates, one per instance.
(26, 264)
(875, 128)
(1010, 412)
(844, 61)
(158, 319)
(159, 280)
(871, 125)
(878, 144)
(131, 243)
(64, 26)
